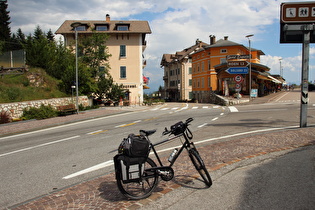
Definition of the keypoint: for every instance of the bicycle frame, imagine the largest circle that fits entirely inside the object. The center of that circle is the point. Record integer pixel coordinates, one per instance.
(187, 145)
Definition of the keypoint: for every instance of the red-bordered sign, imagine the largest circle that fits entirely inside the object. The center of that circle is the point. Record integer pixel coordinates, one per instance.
(238, 78)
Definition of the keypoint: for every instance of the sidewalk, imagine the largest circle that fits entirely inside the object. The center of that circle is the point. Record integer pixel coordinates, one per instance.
(102, 192)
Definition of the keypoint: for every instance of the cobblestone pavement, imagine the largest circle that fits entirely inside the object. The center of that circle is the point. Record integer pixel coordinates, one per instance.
(102, 192)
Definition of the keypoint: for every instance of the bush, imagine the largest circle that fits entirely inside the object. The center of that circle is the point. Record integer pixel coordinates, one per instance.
(39, 113)
(5, 117)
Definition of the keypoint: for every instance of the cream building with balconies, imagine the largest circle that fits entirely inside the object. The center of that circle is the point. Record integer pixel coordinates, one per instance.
(126, 44)
(178, 73)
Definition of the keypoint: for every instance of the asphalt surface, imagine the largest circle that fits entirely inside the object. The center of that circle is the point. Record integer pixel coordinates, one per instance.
(274, 170)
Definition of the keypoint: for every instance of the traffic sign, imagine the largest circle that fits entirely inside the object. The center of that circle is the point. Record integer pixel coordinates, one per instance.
(236, 57)
(238, 87)
(238, 78)
(237, 63)
(237, 70)
(297, 12)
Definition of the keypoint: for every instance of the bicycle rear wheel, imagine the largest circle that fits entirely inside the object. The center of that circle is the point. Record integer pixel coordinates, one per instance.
(200, 166)
(141, 189)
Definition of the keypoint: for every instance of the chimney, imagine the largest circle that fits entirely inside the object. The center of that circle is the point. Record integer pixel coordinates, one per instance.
(198, 42)
(212, 39)
(107, 18)
(226, 37)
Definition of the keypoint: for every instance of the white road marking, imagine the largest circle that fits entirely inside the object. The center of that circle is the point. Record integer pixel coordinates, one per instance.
(195, 107)
(214, 119)
(40, 145)
(88, 170)
(200, 126)
(205, 107)
(233, 109)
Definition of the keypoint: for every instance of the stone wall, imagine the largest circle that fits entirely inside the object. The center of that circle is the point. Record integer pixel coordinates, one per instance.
(16, 109)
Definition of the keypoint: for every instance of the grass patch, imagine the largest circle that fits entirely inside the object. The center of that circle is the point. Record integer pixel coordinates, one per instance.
(33, 85)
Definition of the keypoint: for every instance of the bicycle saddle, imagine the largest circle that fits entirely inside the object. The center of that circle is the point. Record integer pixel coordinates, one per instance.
(148, 132)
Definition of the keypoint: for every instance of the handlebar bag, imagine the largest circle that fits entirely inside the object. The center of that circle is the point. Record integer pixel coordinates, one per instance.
(178, 128)
(129, 169)
(135, 146)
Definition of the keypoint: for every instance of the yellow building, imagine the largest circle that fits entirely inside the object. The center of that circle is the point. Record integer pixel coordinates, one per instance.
(209, 65)
(126, 44)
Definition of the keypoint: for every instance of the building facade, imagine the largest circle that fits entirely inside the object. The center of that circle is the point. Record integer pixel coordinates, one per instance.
(178, 73)
(126, 44)
(209, 65)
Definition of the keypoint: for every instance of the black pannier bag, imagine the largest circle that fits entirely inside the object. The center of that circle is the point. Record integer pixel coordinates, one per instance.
(129, 169)
(178, 128)
(134, 146)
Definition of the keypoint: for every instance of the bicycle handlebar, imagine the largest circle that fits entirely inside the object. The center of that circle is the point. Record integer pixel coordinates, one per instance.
(174, 127)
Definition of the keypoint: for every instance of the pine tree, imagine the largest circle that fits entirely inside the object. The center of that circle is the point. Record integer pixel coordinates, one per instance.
(5, 30)
(50, 36)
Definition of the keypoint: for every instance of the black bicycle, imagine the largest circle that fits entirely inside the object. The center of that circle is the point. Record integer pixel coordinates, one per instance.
(138, 177)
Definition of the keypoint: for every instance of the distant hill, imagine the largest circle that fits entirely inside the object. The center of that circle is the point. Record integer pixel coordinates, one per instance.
(34, 84)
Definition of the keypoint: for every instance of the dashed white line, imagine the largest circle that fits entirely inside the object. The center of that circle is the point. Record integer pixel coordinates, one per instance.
(200, 126)
(214, 119)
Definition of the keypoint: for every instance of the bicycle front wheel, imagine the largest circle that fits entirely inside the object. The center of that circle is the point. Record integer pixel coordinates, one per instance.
(143, 188)
(200, 166)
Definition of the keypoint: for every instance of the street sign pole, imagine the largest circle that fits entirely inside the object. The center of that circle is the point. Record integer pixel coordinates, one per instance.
(305, 70)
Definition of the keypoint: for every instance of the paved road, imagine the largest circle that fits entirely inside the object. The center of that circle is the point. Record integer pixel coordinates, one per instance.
(102, 192)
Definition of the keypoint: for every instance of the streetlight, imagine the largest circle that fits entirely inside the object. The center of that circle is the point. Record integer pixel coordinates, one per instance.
(75, 25)
(250, 66)
(280, 67)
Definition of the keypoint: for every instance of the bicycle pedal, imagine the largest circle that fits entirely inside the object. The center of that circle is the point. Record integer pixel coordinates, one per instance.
(166, 173)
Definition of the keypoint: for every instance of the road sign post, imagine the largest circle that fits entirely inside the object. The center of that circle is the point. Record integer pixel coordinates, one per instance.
(297, 21)
(305, 70)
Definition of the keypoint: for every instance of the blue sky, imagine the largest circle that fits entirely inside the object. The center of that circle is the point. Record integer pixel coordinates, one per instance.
(176, 25)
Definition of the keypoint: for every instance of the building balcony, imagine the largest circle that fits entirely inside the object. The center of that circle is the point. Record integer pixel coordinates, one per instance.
(144, 64)
(144, 45)
(165, 78)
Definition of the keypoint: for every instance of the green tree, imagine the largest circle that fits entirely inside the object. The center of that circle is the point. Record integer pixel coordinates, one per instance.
(95, 53)
(50, 36)
(5, 30)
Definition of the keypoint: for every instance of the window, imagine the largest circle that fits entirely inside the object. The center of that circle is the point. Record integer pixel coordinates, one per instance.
(190, 95)
(190, 82)
(122, 28)
(122, 51)
(223, 50)
(123, 73)
(189, 70)
(101, 28)
(81, 28)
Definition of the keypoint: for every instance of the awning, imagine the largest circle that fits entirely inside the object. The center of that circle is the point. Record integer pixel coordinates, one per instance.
(146, 87)
(274, 80)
